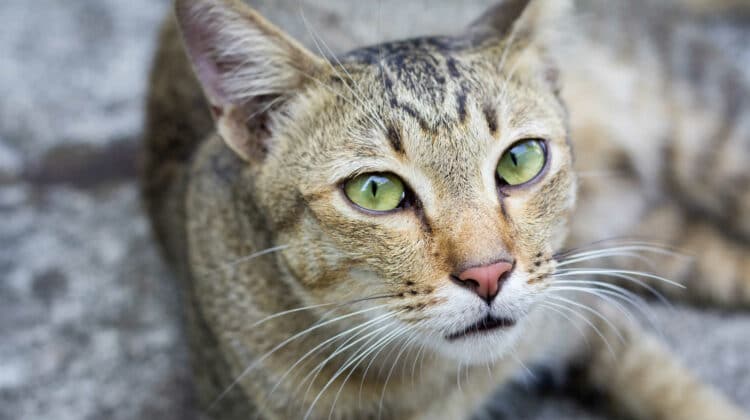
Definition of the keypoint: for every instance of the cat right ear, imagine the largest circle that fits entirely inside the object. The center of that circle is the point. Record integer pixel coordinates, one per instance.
(246, 66)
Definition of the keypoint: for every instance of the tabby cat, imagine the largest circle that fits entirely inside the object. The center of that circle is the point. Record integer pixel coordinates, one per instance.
(384, 233)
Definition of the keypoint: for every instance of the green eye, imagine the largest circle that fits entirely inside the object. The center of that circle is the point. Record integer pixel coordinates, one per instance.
(378, 192)
(521, 162)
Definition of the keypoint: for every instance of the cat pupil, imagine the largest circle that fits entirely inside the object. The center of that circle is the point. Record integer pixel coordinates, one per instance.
(513, 158)
(374, 188)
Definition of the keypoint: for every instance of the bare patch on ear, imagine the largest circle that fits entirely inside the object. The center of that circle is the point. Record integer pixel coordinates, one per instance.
(247, 67)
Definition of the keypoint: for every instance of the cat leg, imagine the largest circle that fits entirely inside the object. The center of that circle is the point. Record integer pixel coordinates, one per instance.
(643, 379)
(716, 269)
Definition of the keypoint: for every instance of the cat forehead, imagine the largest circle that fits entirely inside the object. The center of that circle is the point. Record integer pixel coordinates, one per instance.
(426, 88)
(426, 78)
(435, 82)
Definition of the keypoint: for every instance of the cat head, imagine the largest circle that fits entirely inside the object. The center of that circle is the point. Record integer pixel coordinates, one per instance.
(432, 175)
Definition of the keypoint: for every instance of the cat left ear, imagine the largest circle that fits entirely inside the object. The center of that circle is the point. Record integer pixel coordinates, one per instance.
(523, 19)
(246, 66)
(524, 24)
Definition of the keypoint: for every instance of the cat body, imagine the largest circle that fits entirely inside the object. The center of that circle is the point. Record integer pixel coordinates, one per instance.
(301, 303)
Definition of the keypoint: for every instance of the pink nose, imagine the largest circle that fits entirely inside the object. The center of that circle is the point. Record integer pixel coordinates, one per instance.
(486, 280)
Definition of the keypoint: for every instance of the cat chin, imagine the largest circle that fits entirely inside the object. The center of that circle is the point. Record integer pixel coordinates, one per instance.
(478, 349)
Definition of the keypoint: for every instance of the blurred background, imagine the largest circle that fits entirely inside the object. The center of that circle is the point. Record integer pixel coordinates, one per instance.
(89, 318)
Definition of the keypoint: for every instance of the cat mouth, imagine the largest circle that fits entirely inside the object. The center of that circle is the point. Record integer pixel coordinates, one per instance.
(486, 324)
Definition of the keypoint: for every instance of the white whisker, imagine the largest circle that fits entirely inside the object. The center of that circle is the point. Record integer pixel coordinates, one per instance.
(254, 255)
(379, 348)
(349, 361)
(360, 357)
(566, 317)
(341, 349)
(617, 243)
(257, 362)
(614, 273)
(330, 381)
(588, 322)
(366, 324)
(602, 294)
(404, 346)
(618, 292)
(592, 311)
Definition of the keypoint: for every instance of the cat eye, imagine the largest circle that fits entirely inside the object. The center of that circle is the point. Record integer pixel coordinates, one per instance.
(376, 191)
(522, 162)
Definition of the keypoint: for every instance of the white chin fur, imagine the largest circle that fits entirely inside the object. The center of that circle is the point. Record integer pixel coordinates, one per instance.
(478, 349)
(462, 308)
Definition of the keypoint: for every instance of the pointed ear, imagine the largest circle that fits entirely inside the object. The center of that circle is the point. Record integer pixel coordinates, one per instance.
(246, 66)
(525, 24)
(525, 19)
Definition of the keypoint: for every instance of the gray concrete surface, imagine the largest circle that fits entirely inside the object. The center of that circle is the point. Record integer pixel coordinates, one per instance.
(89, 320)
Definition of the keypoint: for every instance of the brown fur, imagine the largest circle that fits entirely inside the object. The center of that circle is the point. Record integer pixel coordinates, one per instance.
(438, 112)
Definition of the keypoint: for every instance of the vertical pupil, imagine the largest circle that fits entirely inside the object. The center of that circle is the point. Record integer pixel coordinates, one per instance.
(514, 158)
(374, 187)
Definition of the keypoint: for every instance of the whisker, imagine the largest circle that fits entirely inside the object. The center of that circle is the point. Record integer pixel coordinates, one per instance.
(341, 349)
(590, 310)
(404, 346)
(602, 294)
(416, 359)
(316, 306)
(625, 294)
(649, 262)
(254, 255)
(369, 337)
(618, 292)
(379, 348)
(588, 322)
(256, 362)
(330, 381)
(518, 360)
(373, 321)
(623, 248)
(458, 377)
(350, 361)
(615, 242)
(566, 317)
(637, 281)
(614, 272)
(351, 372)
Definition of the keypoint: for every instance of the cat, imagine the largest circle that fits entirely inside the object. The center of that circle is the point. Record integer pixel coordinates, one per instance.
(385, 233)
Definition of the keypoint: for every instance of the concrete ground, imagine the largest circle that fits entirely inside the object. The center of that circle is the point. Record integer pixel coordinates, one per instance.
(89, 319)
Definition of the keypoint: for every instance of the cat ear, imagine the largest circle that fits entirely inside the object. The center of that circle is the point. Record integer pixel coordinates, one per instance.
(524, 19)
(246, 66)
(525, 24)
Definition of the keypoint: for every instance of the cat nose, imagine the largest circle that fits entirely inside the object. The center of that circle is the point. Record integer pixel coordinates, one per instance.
(486, 280)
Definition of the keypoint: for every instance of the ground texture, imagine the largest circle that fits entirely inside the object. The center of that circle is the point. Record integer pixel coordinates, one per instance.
(89, 319)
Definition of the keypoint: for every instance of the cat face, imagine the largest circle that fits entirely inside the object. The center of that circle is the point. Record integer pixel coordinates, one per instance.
(434, 173)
